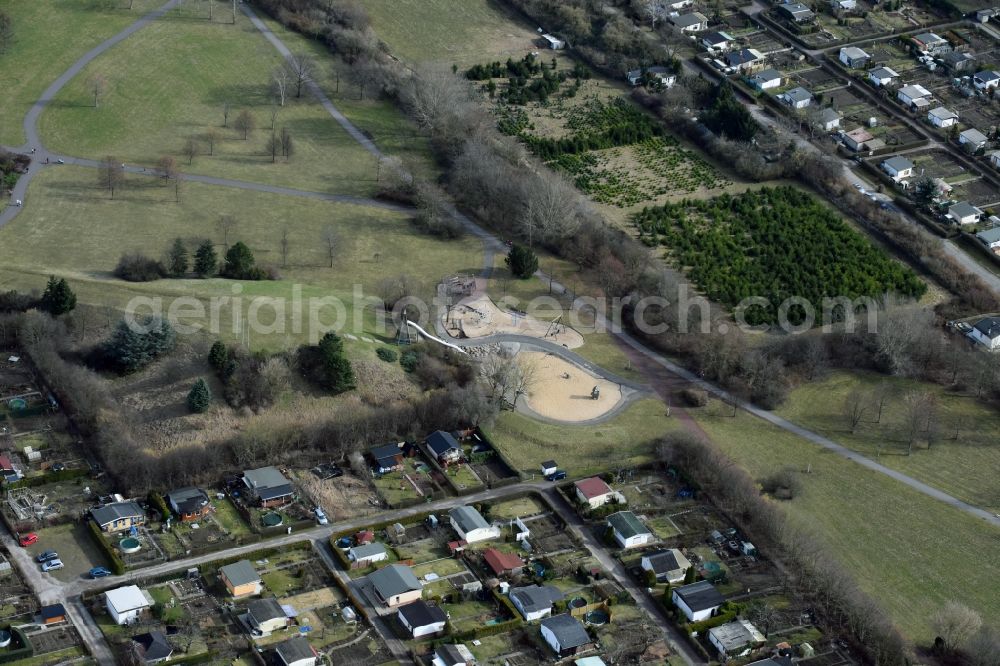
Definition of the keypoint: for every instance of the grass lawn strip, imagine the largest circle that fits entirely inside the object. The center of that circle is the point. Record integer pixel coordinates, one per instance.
(908, 551)
(963, 462)
(627, 439)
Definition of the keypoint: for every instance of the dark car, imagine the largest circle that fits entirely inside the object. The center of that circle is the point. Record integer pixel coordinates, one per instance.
(556, 476)
(46, 555)
(99, 572)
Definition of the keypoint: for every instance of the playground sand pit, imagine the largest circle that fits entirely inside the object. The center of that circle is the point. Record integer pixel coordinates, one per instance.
(562, 391)
(480, 317)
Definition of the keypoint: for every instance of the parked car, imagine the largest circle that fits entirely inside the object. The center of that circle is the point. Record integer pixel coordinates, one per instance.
(320, 516)
(558, 475)
(47, 555)
(28, 539)
(99, 572)
(52, 565)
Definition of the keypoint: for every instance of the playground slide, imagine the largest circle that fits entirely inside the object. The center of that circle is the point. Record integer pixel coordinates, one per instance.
(435, 338)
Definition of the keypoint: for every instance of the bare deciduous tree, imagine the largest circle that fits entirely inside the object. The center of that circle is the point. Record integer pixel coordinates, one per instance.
(331, 240)
(506, 378)
(550, 209)
(983, 649)
(212, 137)
(273, 113)
(111, 175)
(880, 396)
(273, 147)
(920, 416)
(287, 143)
(855, 405)
(284, 243)
(97, 85)
(168, 167)
(280, 80)
(897, 331)
(364, 73)
(225, 114)
(245, 123)
(955, 623)
(301, 70)
(190, 150)
(226, 224)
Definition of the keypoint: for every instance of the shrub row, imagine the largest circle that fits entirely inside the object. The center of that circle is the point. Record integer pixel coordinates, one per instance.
(117, 564)
(50, 477)
(156, 499)
(13, 654)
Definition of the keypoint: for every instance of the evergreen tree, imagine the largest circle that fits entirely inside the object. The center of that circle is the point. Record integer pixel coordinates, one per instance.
(133, 346)
(923, 193)
(326, 364)
(239, 262)
(218, 356)
(205, 260)
(200, 397)
(339, 375)
(178, 259)
(58, 297)
(522, 262)
(728, 117)
(689, 575)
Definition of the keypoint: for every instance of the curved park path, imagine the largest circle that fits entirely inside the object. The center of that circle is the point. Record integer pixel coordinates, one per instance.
(664, 373)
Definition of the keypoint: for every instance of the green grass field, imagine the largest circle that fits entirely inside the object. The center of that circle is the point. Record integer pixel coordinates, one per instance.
(49, 35)
(65, 203)
(582, 450)
(908, 551)
(964, 462)
(462, 32)
(169, 82)
(388, 127)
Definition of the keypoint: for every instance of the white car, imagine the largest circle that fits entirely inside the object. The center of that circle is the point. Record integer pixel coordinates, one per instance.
(320, 516)
(52, 565)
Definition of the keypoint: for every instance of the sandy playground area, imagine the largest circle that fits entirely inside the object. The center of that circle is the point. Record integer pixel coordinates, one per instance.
(479, 317)
(562, 390)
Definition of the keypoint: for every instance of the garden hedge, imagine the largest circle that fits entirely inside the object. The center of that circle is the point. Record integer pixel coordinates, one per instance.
(117, 564)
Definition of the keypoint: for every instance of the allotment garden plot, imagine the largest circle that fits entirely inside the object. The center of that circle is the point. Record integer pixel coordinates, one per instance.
(582, 125)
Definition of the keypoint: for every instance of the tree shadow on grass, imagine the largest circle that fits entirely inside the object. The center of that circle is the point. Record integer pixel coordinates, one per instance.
(239, 96)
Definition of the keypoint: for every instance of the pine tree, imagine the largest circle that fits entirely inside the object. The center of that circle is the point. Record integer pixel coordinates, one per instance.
(178, 259)
(239, 262)
(133, 346)
(200, 397)
(338, 375)
(58, 297)
(689, 575)
(218, 356)
(205, 260)
(522, 262)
